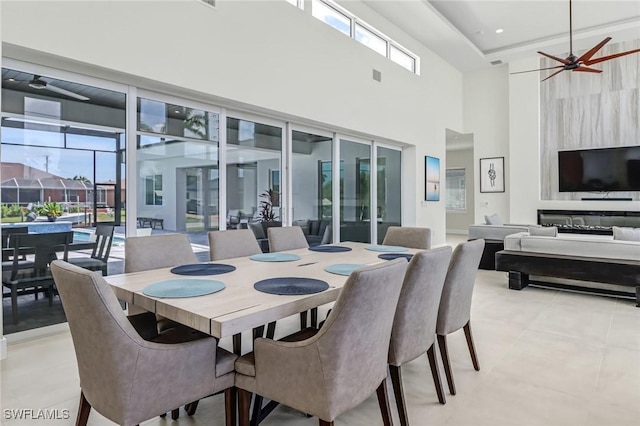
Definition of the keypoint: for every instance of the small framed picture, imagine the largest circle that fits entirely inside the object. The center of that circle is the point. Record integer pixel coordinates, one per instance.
(431, 179)
(492, 174)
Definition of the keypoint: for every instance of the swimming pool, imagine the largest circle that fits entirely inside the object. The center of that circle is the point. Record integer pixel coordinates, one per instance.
(82, 236)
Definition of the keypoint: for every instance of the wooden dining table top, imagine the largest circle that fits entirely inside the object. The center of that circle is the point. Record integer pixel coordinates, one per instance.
(239, 307)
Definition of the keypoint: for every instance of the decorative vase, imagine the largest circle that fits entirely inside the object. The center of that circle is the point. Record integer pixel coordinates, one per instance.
(51, 218)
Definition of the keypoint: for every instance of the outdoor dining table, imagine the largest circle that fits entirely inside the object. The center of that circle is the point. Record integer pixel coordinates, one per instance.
(240, 307)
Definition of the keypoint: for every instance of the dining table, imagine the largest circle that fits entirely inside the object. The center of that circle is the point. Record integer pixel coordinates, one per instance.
(239, 306)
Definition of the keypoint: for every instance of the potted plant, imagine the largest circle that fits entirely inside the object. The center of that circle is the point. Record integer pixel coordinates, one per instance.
(51, 210)
(266, 213)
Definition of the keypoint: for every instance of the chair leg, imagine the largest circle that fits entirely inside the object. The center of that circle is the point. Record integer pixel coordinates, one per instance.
(444, 352)
(192, 407)
(175, 414)
(324, 423)
(271, 330)
(435, 372)
(472, 348)
(257, 408)
(229, 406)
(83, 411)
(50, 294)
(314, 317)
(383, 402)
(14, 304)
(244, 403)
(396, 381)
(303, 320)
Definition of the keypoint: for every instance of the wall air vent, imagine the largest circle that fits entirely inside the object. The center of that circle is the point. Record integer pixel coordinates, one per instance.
(498, 62)
(211, 3)
(377, 75)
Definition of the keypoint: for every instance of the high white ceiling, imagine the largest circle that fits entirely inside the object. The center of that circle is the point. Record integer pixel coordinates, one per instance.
(464, 32)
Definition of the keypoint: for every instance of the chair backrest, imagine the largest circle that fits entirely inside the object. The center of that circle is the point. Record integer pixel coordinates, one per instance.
(43, 246)
(286, 238)
(106, 344)
(418, 238)
(455, 305)
(234, 243)
(10, 230)
(354, 341)
(414, 326)
(157, 251)
(104, 239)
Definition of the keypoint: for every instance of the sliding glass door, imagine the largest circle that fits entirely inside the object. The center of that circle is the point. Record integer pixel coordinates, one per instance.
(355, 191)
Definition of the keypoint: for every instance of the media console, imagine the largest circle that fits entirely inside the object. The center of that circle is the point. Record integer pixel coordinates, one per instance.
(588, 221)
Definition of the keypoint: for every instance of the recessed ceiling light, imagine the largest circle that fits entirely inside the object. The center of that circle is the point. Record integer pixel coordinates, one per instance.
(480, 32)
(11, 79)
(177, 111)
(499, 31)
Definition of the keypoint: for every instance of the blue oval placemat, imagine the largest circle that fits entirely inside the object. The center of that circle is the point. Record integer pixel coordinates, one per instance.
(330, 249)
(275, 257)
(343, 268)
(183, 288)
(291, 286)
(391, 256)
(390, 249)
(203, 269)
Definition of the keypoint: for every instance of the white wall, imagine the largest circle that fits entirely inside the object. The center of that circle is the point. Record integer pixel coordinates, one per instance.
(486, 115)
(266, 54)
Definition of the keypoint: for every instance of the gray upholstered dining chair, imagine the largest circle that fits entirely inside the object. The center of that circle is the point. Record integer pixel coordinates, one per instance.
(418, 238)
(286, 238)
(455, 305)
(346, 359)
(100, 255)
(414, 326)
(122, 376)
(157, 251)
(233, 243)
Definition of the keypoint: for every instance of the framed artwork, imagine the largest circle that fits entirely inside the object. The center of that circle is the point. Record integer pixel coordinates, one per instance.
(492, 174)
(431, 179)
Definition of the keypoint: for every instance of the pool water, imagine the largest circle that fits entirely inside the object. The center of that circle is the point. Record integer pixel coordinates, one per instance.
(84, 236)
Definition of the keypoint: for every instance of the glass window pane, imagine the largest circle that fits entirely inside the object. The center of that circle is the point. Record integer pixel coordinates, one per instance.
(371, 40)
(331, 16)
(152, 116)
(456, 190)
(254, 158)
(312, 185)
(403, 59)
(355, 197)
(389, 177)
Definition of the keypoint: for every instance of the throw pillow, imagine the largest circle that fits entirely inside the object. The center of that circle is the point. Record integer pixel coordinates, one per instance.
(543, 231)
(626, 234)
(494, 219)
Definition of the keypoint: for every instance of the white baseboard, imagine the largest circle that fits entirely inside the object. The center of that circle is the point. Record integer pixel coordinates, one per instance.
(458, 231)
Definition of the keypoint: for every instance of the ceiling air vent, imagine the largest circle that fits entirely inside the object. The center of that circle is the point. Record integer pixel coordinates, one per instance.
(211, 3)
(498, 62)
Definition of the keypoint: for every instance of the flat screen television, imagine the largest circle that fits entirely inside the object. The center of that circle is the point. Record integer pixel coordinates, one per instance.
(604, 169)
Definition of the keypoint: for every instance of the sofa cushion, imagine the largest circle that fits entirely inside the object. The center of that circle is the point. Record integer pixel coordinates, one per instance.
(626, 234)
(492, 232)
(543, 231)
(314, 226)
(304, 224)
(588, 246)
(494, 219)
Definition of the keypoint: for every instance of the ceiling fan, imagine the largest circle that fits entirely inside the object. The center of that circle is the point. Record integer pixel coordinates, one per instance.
(582, 63)
(38, 83)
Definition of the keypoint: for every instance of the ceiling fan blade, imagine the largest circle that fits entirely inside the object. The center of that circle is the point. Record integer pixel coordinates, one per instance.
(606, 58)
(555, 73)
(587, 55)
(539, 69)
(555, 58)
(587, 69)
(65, 92)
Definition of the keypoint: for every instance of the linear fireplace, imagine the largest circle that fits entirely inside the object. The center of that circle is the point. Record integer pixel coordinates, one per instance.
(588, 221)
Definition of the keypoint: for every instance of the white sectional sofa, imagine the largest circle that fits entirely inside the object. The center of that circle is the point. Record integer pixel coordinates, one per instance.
(581, 257)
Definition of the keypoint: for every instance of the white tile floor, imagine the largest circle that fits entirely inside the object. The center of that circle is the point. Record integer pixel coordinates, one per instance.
(547, 358)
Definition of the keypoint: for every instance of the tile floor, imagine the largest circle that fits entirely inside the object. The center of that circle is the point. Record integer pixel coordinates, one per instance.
(546, 357)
